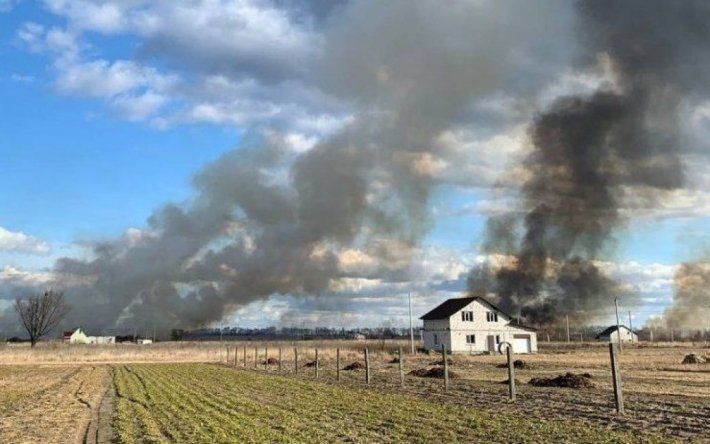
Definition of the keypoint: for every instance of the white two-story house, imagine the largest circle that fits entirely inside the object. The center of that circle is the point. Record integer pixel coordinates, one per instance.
(474, 325)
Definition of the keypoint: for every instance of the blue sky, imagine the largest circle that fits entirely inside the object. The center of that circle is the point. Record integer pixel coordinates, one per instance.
(105, 119)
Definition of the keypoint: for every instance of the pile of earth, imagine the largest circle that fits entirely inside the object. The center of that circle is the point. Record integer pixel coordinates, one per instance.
(310, 364)
(518, 363)
(693, 358)
(354, 366)
(441, 362)
(568, 380)
(394, 360)
(270, 361)
(434, 372)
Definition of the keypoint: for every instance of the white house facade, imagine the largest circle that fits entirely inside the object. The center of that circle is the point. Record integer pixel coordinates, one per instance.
(75, 337)
(474, 325)
(611, 334)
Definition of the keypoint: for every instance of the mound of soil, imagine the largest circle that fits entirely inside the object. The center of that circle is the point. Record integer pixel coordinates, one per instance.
(517, 381)
(270, 361)
(355, 366)
(394, 361)
(434, 372)
(569, 380)
(310, 364)
(693, 359)
(518, 363)
(441, 362)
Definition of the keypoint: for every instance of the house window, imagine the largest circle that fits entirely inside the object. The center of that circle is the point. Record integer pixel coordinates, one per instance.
(436, 339)
(467, 316)
(492, 316)
(470, 339)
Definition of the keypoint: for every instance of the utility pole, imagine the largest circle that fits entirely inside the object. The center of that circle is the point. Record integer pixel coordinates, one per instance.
(567, 320)
(631, 327)
(411, 328)
(618, 331)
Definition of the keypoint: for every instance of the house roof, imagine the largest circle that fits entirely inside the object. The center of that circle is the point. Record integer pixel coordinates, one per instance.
(609, 330)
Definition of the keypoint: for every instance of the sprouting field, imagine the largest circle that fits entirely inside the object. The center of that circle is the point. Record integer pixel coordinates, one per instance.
(194, 393)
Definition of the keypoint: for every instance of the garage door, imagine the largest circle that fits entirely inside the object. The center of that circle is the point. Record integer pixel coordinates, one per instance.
(521, 343)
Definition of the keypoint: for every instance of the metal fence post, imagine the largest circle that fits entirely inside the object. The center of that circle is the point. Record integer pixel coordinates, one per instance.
(295, 360)
(446, 367)
(367, 366)
(511, 373)
(616, 379)
(316, 363)
(337, 363)
(279, 359)
(401, 367)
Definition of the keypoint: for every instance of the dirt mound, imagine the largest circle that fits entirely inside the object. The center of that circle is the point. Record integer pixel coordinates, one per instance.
(434, 372)
(517, 381)
(441, 362)
(354, 366)
(569, 380)
(270, 361)
(310, 364)
(693, 359)
(518, 363)
(394, 361)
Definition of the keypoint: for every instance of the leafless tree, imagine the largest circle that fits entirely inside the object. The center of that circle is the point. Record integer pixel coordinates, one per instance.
(41, 313)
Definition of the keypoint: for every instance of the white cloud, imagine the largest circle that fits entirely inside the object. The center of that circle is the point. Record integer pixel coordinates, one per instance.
(17, 241)
(17, 277)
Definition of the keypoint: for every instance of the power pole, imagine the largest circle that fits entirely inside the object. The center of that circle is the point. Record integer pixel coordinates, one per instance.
(618, 330)
(411, 328)
(567, 320)
(631, 327)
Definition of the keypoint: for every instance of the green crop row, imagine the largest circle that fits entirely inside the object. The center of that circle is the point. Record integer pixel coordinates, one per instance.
(201, 403)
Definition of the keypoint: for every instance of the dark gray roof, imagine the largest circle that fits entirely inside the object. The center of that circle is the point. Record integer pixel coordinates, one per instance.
(609, 330)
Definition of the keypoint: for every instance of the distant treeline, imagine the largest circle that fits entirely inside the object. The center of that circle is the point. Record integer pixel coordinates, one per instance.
(287, 333)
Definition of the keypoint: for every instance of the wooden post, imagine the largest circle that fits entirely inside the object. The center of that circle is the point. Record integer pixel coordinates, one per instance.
(567, 320)
(337, 363)
(279, 359)
(511, 374)
(236, 349)
(316, 363)
(295, 360)
(227, 360)
(245, 356)
(446, 367)
(367, 366)
(256, 357)
(266, 358)
(616, 380)
(401, 367)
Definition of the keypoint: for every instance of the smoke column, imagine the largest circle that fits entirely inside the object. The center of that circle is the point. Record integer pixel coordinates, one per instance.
(593, 153)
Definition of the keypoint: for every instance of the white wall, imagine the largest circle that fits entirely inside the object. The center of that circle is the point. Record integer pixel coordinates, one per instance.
(452, 332)
(626, 336)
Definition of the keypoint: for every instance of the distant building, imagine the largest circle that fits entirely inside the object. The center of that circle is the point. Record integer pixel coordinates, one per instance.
(144, 341)
(359, 337)
(79, 337)
(474, 325)
(610, 335)
(75, 337)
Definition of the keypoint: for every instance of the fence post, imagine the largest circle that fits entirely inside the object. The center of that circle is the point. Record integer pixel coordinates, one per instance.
(511, 373)
(256, 357)
(367, 366)
(295, 360)
(236, 348)
(227, 361)
(337, 364)
(279, 359)
(616, 379)
(446, 367)
(401, 367)
(245, 356)
(317, 363)
(266, 358)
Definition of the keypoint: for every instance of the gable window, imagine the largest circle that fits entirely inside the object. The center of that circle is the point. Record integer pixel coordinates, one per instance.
(436, 339)
(470, 339)
(492, 316)
(467, 316)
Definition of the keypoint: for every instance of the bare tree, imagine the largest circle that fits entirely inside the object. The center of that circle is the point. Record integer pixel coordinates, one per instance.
(41, 313)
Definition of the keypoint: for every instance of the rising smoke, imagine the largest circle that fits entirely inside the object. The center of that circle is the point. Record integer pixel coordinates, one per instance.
(267, 219)
(592, 153)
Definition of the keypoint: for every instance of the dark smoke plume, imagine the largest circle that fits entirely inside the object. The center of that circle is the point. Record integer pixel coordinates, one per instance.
(592, 153)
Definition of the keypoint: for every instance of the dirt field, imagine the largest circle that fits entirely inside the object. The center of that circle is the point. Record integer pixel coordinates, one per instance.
(41, 395)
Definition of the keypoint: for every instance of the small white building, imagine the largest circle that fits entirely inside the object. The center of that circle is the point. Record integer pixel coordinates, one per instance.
(75, 337)
(144, 341)
(611, 335)
(474, 325)
(101, 339)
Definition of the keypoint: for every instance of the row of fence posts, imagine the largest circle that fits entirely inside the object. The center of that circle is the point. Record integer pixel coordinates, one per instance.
(615, 372)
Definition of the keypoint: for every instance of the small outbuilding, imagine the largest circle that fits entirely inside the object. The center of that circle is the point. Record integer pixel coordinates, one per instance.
(75, 337)
(611, 334)
(474, 325)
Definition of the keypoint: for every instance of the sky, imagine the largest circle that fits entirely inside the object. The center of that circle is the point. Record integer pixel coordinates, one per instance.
(115, 110)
